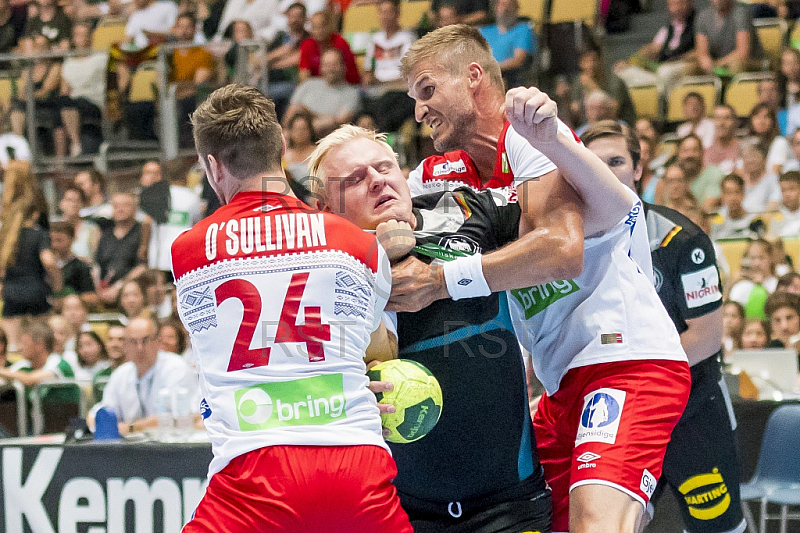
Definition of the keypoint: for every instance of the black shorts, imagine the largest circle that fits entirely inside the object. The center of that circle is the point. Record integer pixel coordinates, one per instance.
(701, 466)
(524, 508)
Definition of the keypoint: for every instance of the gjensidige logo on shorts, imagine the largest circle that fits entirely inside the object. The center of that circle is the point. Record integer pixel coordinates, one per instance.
(311, 401)
(600, 417)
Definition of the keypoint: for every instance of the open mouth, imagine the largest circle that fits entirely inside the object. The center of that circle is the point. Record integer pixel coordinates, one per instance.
(384, 199)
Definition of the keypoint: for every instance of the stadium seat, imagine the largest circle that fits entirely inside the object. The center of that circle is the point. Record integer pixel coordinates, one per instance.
(792, 249)
(777, 473)
(794, 36)
(733, 250)
(363, 18)
(107, 33)
(6, 92)
(741, 92)
(772, 34)
(708, 86)
(411, 12)
(645, 100)
(534, 10)
(144, 83)
(572, 10)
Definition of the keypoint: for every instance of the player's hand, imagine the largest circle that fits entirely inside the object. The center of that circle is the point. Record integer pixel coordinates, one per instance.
(381, 386)
(533, 114)
(396, 237)
(416, 285)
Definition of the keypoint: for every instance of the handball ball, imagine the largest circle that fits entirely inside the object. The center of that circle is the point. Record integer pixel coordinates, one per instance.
(417, 398)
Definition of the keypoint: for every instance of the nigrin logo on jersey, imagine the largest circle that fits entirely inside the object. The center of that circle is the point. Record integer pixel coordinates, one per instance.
(301, 402)
(280, 232)
(706, 495)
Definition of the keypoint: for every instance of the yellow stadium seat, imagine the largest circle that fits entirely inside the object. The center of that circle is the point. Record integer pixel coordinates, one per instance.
(741, 93)
(6, 91)
(534, 10)
(645, 100)
(792, 248)
(411, 12)
(144, 83)
(733, 250)
(772, 34)
(363, 18)
(107, 33)
(708, 86)
(572, 10)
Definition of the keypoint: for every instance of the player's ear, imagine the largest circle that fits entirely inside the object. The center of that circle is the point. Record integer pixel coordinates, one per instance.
(637, 173)
(283, 142)
(474, 74)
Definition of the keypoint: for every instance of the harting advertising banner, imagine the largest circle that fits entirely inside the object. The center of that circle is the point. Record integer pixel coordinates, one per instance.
(101, 488)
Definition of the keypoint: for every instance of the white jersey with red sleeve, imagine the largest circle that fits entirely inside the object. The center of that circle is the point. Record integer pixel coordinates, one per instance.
(280, 301)
(610, 312)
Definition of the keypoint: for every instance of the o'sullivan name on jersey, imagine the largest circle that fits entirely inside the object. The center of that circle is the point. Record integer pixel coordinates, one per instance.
(265, 234)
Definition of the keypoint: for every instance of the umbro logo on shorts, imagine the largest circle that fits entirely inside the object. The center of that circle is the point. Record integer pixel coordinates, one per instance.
(587, 459)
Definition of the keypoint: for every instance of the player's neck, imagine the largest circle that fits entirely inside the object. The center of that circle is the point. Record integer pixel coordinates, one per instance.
(482, 147)
(272, 183)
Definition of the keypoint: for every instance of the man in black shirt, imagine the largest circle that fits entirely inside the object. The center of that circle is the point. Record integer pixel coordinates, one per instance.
(477, 471)
(701, 466)
(76, 274)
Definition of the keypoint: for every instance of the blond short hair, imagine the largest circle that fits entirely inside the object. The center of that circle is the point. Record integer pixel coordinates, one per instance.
(341, 136)
(453, 48)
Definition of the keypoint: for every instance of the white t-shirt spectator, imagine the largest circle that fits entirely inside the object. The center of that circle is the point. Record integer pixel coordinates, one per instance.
(704, 130)
(259, 13)
(14, 147)
(86, 77)
(384, 54)
(779, 153)
(323, 99)
(158, 17)
(185, 211)
(758, 196)
(786, 223)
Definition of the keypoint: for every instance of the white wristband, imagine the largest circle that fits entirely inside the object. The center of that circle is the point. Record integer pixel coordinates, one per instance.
(464, 278)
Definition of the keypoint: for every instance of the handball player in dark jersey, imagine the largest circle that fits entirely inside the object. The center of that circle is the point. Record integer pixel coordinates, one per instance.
(701, 466)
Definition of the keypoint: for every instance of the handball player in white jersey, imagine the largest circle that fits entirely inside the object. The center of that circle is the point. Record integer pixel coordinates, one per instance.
(280, 301)
(603, 346)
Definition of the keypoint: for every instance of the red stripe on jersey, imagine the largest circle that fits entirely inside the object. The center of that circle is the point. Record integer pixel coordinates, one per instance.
(263, 224)
(502, 175)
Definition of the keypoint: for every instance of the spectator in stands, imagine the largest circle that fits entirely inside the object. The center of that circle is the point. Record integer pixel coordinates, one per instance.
(45, 76)
(757, 278)
(12, 25)
(38, 362)
(258, 13)
(301, 139)
(171, 205)
(383, 83)
(283, 57)
(755, 335)
(83, 86)
(512, 42)
(323, 38)
(151, 21)
(762, 191)
(783, 312)
(133, 301)
(77, 316)
(27, 265)
(133, 388)
(13, 147)
(789, 282)
(75, 273)
(768, 92)
(192, 71)
(763, 128)
(724, 152)
(93, 186)
(669, 56)
(446, 15)
(786, 223)
(732, 326)
(726, 40)
(732, 221)
(87, 233)
(646, 186)
(172, 337)
(121, 251)
(62, 334)
(51, 23)
(593, 77)
(92, 356)
(597, 106)
(789, 76)
(677, 193)
(793, 163)
(703, 179)
(329, 99)
(474, 12)
(115, 349)
(157, 292)
(694, 111)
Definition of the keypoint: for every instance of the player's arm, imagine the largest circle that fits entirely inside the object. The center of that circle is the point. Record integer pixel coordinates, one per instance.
(29, 379)
(704, 337)
(382, 345)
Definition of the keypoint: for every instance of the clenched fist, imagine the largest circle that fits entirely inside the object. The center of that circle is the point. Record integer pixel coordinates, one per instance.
(396, 237)
(532, 114)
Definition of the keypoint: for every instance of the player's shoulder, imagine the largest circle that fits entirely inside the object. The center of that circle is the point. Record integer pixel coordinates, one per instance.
(455, 166)
(688, 229)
